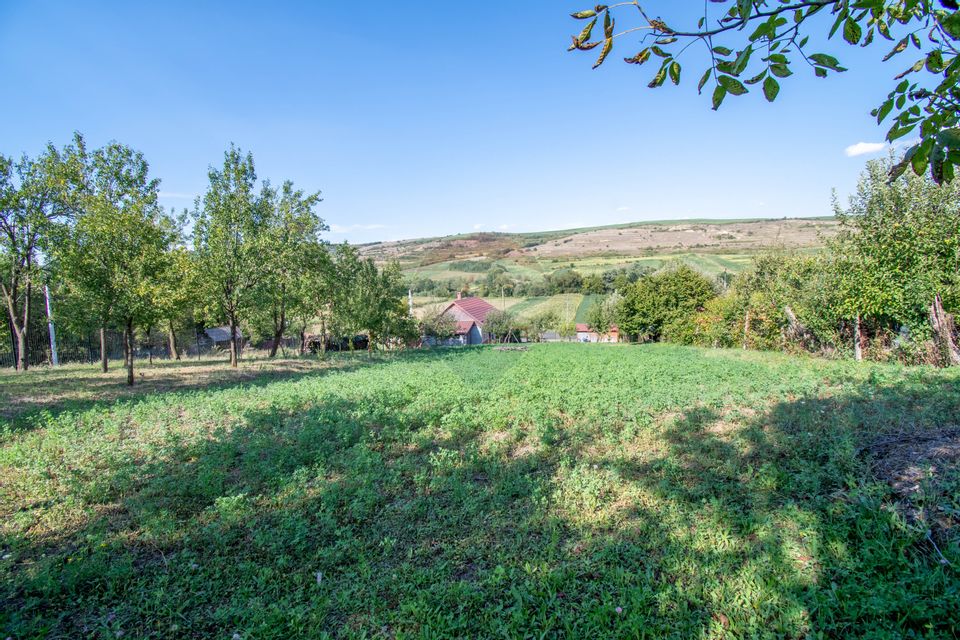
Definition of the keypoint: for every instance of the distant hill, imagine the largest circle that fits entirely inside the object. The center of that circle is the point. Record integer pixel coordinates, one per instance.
(709, 245)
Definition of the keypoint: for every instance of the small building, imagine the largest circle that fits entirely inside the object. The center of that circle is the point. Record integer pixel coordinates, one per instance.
(586, 334)
(220, 336)
(469, 314)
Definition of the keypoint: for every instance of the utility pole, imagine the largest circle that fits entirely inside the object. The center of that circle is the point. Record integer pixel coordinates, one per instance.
(53, 336)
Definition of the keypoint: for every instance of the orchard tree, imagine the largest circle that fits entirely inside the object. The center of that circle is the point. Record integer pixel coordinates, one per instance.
(227, 227)
(116, 254)
(761, 42)
(37, 199)
(653, 302)
(288, 242)
(898, 253)
(603, 315)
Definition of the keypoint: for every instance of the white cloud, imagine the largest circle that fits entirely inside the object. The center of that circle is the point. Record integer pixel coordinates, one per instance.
(477, 227)
(176, 195)
(506, 227)
(339, 228)
(864, 148)
(623, 208)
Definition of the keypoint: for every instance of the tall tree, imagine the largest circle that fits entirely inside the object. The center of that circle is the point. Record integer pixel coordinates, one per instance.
(37, 198)
(758, 42)
(288, 247)
(898, 250)
(117, 253)
(226, 230)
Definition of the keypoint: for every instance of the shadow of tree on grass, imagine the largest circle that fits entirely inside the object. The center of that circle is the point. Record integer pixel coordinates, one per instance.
(371, 516)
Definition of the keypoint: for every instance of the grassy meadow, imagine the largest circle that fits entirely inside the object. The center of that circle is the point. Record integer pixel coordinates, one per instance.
(564, 491)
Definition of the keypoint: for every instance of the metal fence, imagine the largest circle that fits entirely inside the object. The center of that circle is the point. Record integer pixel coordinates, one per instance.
(85, 348)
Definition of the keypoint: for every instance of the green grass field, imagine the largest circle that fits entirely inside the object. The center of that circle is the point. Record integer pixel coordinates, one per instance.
(569, 490)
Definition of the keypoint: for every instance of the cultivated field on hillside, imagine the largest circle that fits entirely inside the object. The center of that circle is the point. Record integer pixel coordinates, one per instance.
(568, 490)
(710, 246)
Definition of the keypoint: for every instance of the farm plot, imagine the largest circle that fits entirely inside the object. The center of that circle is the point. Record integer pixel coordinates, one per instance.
(564, 491)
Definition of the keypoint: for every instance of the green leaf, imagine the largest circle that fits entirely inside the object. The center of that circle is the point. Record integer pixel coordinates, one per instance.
(771, 88)
(829, 62)
(900, 47)
(587, 30)
(780, 70)
(607, 46)
(949, 138)
(732, 85)
(583, 15)
(703, 80)
(675, 72)
(722, 51)
(718, 95)
(884, 110)
(852, 31)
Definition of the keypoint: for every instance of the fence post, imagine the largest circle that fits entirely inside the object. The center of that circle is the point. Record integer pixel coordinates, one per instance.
(53, 335)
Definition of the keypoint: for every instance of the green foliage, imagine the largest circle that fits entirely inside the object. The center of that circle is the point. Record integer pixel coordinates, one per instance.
(294, 263)
(37, 199)
(899, 245)
(760, 41)
(115, 256)
(227, 225)
(582, 491)
(604, 314)
(500, 325)
(658, 300)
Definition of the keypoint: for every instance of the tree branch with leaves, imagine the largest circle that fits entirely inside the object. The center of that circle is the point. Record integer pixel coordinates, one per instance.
(760, 42)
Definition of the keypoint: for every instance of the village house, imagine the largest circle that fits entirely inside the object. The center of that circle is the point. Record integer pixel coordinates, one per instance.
(469, 314)
(586, 334)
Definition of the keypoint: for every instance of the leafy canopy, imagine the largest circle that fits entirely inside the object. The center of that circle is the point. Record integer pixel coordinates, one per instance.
(760, 42)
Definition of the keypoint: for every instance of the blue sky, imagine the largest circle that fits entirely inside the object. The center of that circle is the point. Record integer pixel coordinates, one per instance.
(429, 118)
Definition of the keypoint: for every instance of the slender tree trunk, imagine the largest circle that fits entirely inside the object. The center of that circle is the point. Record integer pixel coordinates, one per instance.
(24, 346)
(858, 339)
(14, 344)
(172, 341)
(22, 350)
(278, 328)
(943, 327)
(746, 329)
(128, 349)
(103, 349)
(150, 344)
(233, 341)
(303, 340)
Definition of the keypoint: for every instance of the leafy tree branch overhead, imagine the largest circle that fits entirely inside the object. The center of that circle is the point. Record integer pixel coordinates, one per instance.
(761, 42)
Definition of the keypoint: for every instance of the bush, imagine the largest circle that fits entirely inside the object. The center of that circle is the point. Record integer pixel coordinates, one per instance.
(664, 298)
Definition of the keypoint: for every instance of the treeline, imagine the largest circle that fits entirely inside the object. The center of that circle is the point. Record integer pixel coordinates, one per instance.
(498, 279)
(88, 224)
(883, 289)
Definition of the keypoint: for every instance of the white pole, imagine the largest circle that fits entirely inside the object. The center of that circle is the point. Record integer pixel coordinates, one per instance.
(53, 335)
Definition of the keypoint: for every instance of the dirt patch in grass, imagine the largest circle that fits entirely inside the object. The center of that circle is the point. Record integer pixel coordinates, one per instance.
(923, 469)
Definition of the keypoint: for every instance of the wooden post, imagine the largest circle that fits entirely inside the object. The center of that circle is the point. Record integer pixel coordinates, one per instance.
(857, 339)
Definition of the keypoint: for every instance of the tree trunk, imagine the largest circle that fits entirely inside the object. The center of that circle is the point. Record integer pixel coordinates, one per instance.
(233, 341)
(14, 344)
(22, 350)
(943, 330)
(303, 340)
(24, 346)
(128, 350)
(103, 349)
(172, 341)
(857, 339)
(746, 329)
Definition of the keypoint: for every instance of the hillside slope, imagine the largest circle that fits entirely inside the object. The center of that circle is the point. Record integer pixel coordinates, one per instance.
(635, 239)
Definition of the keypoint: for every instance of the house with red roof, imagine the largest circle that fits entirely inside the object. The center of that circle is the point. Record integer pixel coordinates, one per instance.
(469, 314)
(586, 334)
